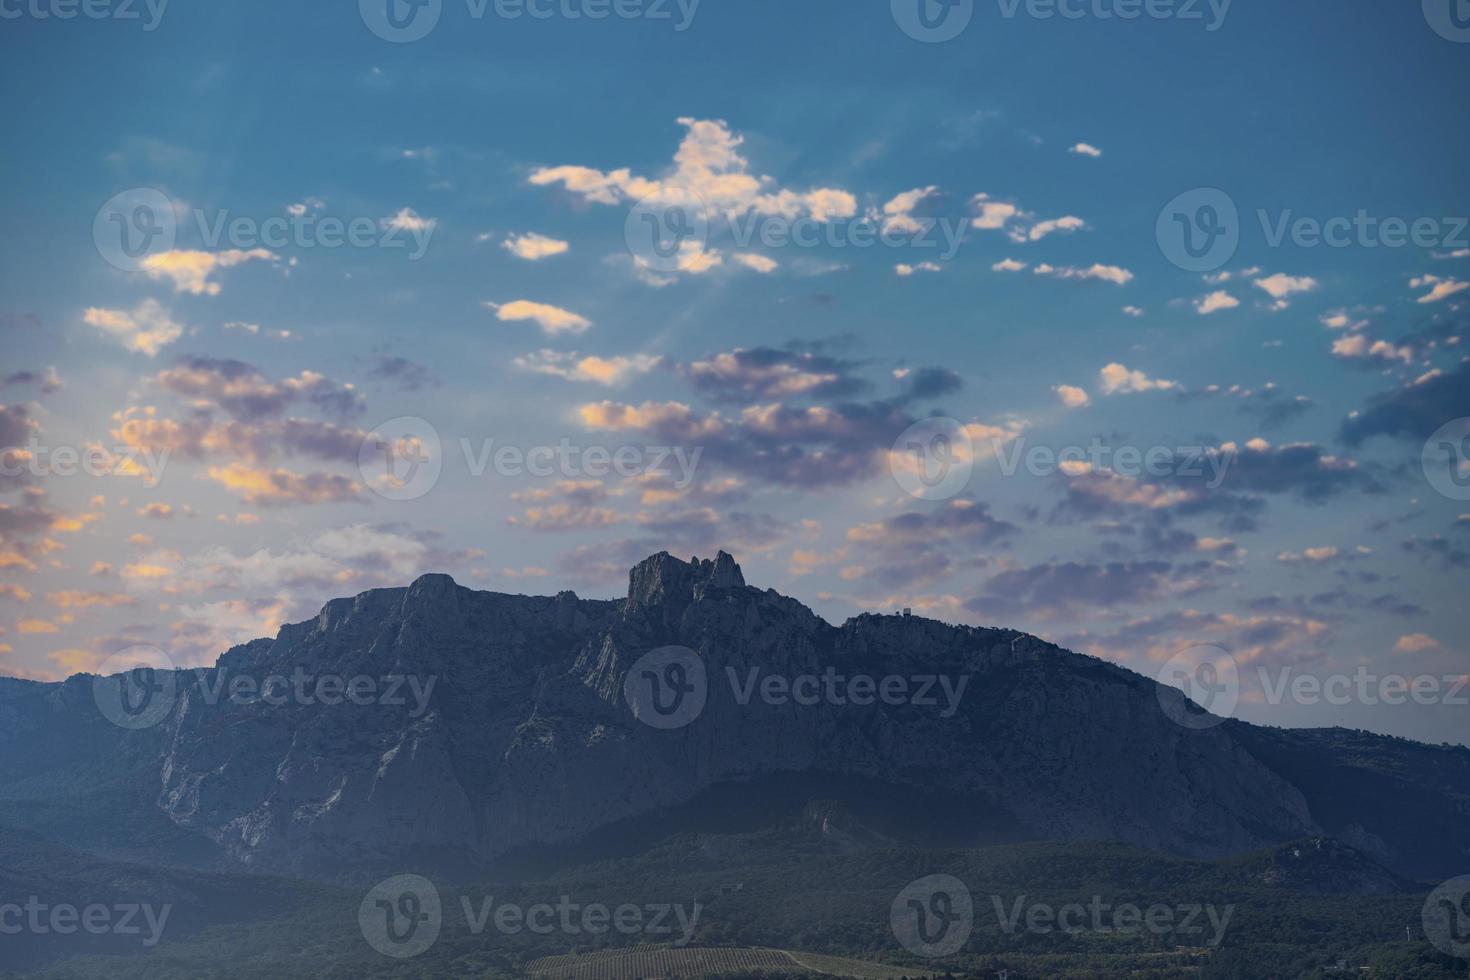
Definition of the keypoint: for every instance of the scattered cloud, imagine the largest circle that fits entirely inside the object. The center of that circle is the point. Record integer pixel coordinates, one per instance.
(191, 271)
(1440, 287)
(533, 247)
(1072, 397)
(1119, 380)
(758, 263)
(898, 214)
(1413, 410)
(1116, 275)
(1415, 643)
(147, 328)
(551, 319)
(572, 366)
(409, 220)
(708, 173)
(906, 270)
(280, 488)
(1215, 302)
(1281, 287)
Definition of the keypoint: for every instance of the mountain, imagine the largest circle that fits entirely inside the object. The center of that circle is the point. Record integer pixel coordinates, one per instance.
(486, 728)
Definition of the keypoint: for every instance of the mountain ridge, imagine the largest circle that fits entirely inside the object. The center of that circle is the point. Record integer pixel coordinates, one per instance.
(526, 738)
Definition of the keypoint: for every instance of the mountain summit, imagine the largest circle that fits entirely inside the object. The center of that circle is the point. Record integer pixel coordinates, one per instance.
(443, 724)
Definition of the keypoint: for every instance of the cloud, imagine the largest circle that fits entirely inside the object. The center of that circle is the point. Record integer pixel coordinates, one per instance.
(49, 382)
(1280, 287)
(533, 247)
(673, 418)
(1041, 229)
(1019, 226)
(266, 588)
(280, 488)
(357, 555)
(1091, 492)
(1355, 346)
(32, 627)
(1303, 469)
(1119, 380)
(1413, 410)
(301, 208)
(147, 329)
(992, 215)
(1086, 150)
(1439, 288)
(766, 372)
(783, 443)
(572, 505)
(963, 517)
(1008, 265)
(409, 220)
(1268, 403)
(758, 263)
(919, 547)
(1070, 589)
(1450, 555)
(694, 258)
(408, 375)
(1415, 643)
(190, 270)
(610, 371)
(906, 270)
(1116, 275)
(1254, 639)
(1216, 301)
(247, 394)
(201, 436)
(708, 173)
(1072, 397)
(898, 214)
(1230, 481)
(77, 599)
(1341, 320)
(1314, 555)
(551, 319)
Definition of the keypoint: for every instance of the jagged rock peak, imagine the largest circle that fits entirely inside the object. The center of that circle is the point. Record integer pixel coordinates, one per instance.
(664, 578)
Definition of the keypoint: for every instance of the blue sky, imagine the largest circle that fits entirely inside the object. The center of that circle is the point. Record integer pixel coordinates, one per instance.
(1050, 145)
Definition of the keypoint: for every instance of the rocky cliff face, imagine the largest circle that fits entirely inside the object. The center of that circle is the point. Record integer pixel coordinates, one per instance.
(485, 723)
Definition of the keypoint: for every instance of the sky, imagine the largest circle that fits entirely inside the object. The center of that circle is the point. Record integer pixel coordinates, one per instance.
(1142, 328)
